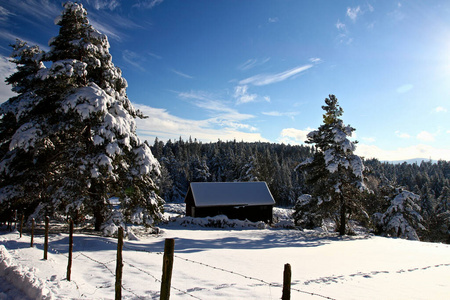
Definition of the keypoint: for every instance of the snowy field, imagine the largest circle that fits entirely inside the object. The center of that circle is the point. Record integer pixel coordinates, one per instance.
(224, 263)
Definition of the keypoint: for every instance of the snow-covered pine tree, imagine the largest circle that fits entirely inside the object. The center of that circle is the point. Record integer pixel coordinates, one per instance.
(20, 171)
(443, 215)
(402, 218)
(334, 173)
(198, 169)
(90, 134)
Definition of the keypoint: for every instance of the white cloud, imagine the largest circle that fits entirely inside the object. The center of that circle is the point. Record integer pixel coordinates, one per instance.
(353, 13)
(6, 69)
(265, 79)
(293, 136)
(273, 20)
(425, 136)
(242, 95)
(217, 108)
(440, 109)
(181, 74)
(340, 25)
(315, 60)
(402, 135)
(160, 123)
(290, 114)
(415, 151)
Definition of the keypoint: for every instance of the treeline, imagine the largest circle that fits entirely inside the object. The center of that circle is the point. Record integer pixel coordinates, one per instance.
(192, 161)
(431, 181)
(187, 161)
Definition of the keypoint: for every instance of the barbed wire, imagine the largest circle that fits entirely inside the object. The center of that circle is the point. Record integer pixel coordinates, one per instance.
(158, 280)
(250, 277)
(312, 294)
(181, 258)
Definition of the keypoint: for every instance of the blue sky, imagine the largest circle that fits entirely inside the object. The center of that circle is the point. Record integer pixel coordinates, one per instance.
(260, 70)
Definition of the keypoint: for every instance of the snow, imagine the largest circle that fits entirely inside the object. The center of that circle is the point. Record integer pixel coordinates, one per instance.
(26, 136)
(224, 263)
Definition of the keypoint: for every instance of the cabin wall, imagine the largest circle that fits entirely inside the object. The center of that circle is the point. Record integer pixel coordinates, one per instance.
(251, 213)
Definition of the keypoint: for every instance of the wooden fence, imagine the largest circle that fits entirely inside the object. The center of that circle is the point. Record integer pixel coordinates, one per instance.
(168, 258)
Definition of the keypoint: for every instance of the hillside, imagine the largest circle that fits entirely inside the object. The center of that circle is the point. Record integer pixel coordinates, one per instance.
(225, 263)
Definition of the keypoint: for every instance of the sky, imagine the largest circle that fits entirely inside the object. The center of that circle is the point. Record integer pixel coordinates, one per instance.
(261, 70)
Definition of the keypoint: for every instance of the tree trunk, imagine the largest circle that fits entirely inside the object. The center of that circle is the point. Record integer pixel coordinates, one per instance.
(343, 218)
(99, 218)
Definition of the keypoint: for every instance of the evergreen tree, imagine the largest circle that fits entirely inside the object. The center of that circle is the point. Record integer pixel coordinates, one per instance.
(20, 172)
(87, 132)
(443, 216)
(402, 218)
(199, 170)
(335, 172)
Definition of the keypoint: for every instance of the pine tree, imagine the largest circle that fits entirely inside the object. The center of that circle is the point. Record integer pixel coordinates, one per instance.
(87, 132)
(335, 173)
(20, 172)
(443, 215)
(402, 218)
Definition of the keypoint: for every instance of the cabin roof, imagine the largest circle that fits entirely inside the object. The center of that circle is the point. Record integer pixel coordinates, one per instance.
(208, 194)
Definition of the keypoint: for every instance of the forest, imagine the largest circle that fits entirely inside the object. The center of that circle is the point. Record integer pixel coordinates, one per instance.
(185, 161)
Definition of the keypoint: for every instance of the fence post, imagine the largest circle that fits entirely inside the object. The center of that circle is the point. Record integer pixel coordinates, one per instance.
(21, 225)
(69, 265)
(15, 219)
(32, 232)
(119, 265)
(169, 247)
(46, 237)
(287, 274)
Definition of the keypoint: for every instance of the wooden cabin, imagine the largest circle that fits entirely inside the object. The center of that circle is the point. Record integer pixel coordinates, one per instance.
(237, 200)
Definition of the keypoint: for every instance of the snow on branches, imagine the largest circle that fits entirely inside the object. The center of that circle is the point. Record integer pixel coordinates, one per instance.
(74, 118)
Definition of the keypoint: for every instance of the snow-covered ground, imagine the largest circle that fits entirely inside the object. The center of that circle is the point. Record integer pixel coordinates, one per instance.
(227, 263)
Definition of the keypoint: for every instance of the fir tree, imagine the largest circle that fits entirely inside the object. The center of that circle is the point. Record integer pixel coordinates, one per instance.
(87, 132)
(402, 218)
(334, 172)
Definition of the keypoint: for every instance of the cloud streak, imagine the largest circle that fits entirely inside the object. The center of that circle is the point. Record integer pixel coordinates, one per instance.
(290, 114)
(265, 79)
(133, 59)
(104, 4)
(251, 63)
(216, 107)
(181, 74)
(148, 4)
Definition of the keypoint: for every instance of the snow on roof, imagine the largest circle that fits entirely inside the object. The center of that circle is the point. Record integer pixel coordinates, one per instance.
(231, 193)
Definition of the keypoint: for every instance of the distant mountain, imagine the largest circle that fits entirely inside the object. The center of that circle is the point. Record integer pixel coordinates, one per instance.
(411, 161)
